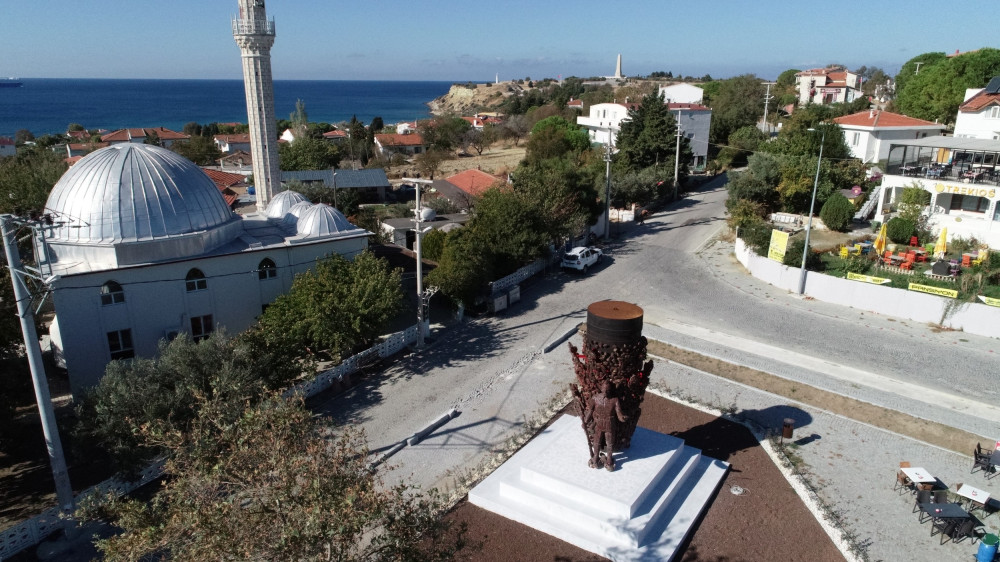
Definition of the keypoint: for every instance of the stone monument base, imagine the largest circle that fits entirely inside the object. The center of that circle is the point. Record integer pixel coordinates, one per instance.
(641, 511)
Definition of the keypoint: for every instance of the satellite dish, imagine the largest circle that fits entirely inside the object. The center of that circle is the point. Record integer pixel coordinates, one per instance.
(427, 214)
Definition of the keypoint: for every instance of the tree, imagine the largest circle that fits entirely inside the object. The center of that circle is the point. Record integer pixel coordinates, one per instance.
(555, 137)
(757, 184)
(432, 244)
(515, 127)
(299, 120)
(739, 102)
(937, 92)
(22, 136)
(648, 137)
(464, 269)
(640, 187)
(276, 483)
(429, 162)
(192, 129)
(376, 125)
(912, 67)
(786, 80)
(200, 150)
(27, 178)
(564, 192)
(837, 212)
(75, 127)
(152, 138)
(443, 133)
(307, 153)
(511, 226)
(337, 306)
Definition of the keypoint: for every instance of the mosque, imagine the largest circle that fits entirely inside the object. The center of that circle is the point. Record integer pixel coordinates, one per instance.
(142, 245)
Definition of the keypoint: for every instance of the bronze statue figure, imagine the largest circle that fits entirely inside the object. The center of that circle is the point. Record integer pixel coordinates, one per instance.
(605, 413)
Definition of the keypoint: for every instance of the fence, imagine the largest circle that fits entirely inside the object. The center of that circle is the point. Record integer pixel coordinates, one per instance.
(33, 531)
(516, 278)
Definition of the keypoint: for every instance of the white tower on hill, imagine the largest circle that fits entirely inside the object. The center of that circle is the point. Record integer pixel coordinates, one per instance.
(618, 68)
(254, 35)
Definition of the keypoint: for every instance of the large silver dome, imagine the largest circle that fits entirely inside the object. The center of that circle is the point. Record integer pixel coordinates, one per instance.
(132, 193)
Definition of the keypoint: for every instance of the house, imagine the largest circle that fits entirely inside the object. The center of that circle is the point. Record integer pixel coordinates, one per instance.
(465, 187)
(166, 137)
(962, 176)
(870, 133)
(827, 85)
(695, 121)
(7, 147)
(408, 144)
(78, 135)
(238, 160)
(406, 127)
(682, 93)
(400, 230)
(229, 144)
(979, 115)
(230, 185)
(574, 104)
(82, 148)
(145, 247)
(335, 136)
(475, 122)
(604, 121)
(371, 184)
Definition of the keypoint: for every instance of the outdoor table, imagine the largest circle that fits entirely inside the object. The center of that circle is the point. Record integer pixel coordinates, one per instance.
(976, 497)
(944, 510)
(920, 477)
(896, 260)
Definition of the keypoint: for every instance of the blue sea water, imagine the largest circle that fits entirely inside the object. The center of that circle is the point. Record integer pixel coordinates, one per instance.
(48, 105)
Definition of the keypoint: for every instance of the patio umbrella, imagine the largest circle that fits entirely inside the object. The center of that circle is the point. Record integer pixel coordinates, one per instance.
(879, 244)
(942, 244)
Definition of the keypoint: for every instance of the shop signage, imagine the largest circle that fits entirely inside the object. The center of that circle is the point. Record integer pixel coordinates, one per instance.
(779, 243)
(868, 279)
(966, 190)
(951, 293)
(990, 300)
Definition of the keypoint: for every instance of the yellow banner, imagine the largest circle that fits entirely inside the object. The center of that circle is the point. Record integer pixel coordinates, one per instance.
(990, 300)
(779, 243)
(934, 290)
(868, 279)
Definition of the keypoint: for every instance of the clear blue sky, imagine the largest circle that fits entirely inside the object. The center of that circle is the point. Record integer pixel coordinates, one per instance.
(474, 40)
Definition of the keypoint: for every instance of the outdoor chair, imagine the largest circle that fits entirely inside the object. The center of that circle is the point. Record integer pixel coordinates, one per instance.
(981, 460)
(940, 496)
(843, 252)
(943, 526)
(908, 264)
(914, 241)
(887, 258)
(856, 250)
(911, 256)
(902, 480)
(954, 530)
(966, 261)
(923, 496)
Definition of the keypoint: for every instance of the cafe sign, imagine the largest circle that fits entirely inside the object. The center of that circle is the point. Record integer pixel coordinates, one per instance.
(951, 293)
(966, 190)
(868, 279)
(989, 300)
(779, 243)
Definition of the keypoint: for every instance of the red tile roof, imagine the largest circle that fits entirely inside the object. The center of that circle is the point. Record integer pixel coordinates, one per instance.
(125, 135)
(337, 134)
(979, 101)
(882, 119)
(473, 182)
(72, 160)
(6, 141)
(87, 145)
(393, 139)
(224, 179)
(474, 121)
(239, 138)
(574, 103)
(78, 134)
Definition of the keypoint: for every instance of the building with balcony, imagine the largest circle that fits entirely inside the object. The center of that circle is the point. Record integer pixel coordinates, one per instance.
(605, 120)
(962, 176)
(827, 85)
(979, 115)
(870, 133)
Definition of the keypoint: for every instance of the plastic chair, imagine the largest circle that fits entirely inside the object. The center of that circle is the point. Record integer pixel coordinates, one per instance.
(887, 258)
(966, 261)
(906, 265)
(843, 252)
(914, 241)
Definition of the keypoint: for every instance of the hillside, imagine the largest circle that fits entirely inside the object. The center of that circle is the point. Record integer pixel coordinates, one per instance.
(465, 99)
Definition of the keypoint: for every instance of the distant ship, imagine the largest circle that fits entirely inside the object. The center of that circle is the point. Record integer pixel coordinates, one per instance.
(10, 82)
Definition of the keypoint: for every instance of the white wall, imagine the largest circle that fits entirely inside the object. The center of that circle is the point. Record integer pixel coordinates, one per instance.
(156, 301)
(682, 93)
(979, 125)
(973, 318)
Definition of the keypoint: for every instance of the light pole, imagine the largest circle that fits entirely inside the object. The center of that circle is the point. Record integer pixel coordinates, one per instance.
(423, 297)
(812, 204)
(607, 191)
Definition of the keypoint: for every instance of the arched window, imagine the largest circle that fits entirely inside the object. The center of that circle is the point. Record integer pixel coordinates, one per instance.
(267, 269)
(111, 293)
(195, 281)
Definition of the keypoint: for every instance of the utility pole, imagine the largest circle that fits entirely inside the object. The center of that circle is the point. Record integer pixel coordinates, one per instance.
(918, 67)
(64, 491)
(423, 297)
(677, 156)
(767, 99)
(607, 191)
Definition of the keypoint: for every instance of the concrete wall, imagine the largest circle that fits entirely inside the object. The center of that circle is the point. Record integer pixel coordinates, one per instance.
(973, 318)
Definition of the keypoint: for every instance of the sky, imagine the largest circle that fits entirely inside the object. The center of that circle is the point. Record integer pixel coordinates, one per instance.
(476, 41)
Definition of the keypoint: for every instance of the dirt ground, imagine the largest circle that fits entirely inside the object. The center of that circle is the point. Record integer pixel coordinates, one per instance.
(766, 522)
(498, 159)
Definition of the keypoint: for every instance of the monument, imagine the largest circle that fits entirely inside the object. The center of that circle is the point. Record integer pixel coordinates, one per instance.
(254, 34)
(655, 487)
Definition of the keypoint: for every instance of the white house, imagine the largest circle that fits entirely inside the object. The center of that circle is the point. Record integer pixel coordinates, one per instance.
(682, 93)
(233, 143)
(604, 121)
(961, 174)
(407, 144)
(695, 121)
(869, 133)
(979, 115)
(827, 85)
(7, 147)
(143, 246)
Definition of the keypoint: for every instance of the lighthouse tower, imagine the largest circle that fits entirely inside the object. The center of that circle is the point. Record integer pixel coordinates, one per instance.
(254, 35)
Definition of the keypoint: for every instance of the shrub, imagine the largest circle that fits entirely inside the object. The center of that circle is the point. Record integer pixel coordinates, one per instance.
(758, 237)
(793, 256)
(744, 213)
(837, 212)
(899, 230)
(857, 264)
(432, 245)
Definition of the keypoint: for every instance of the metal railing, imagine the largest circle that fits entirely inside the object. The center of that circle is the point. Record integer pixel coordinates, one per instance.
(246, 27)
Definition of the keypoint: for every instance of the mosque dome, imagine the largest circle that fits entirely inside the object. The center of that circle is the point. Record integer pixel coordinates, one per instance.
(323, 220)
(282, 202)
(294, 212)
(133, 193)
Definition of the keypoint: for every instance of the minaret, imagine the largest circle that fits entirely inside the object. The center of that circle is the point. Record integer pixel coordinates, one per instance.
(254, 35)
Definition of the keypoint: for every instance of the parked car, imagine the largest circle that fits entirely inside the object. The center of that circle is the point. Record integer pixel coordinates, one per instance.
(581, 258)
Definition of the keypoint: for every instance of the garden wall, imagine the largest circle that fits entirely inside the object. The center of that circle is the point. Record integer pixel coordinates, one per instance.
(973, 318)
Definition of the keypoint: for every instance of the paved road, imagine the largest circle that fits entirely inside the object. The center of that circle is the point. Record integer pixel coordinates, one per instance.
(493, 371)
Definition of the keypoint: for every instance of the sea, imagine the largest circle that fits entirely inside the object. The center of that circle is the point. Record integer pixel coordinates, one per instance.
(49, 105)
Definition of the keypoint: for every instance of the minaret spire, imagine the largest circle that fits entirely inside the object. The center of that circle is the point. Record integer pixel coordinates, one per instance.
(254, 35)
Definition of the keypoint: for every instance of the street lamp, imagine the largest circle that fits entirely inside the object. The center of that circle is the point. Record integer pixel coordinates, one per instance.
(607, 191)
(421, 215)
(812, 205)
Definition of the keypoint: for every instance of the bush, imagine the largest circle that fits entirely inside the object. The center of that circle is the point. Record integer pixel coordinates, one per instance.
(899, 230)
(744, 213)
(837, 212)
(432, 245)
(758, 237)
(793, 256)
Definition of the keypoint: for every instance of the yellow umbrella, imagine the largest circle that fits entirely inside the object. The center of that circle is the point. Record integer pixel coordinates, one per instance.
(942, 244)
(879, 244)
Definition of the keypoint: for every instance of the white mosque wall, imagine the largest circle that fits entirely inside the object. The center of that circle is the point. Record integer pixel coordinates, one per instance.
(157, 302)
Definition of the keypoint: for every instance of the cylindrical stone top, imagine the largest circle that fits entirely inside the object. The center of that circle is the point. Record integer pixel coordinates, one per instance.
(614, 322)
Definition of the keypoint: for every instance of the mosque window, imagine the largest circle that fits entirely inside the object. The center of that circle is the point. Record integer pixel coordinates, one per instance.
(195, 281)
(201, 327)
(267, 269)
(120, 344)
(112, 293)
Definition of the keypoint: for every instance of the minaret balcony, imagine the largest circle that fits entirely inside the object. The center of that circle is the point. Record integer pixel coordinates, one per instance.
(253, 27)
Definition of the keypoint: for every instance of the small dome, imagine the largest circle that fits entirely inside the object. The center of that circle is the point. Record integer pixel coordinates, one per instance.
(283, 201)
(323, 220)
(295, 211)
(132, 193)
